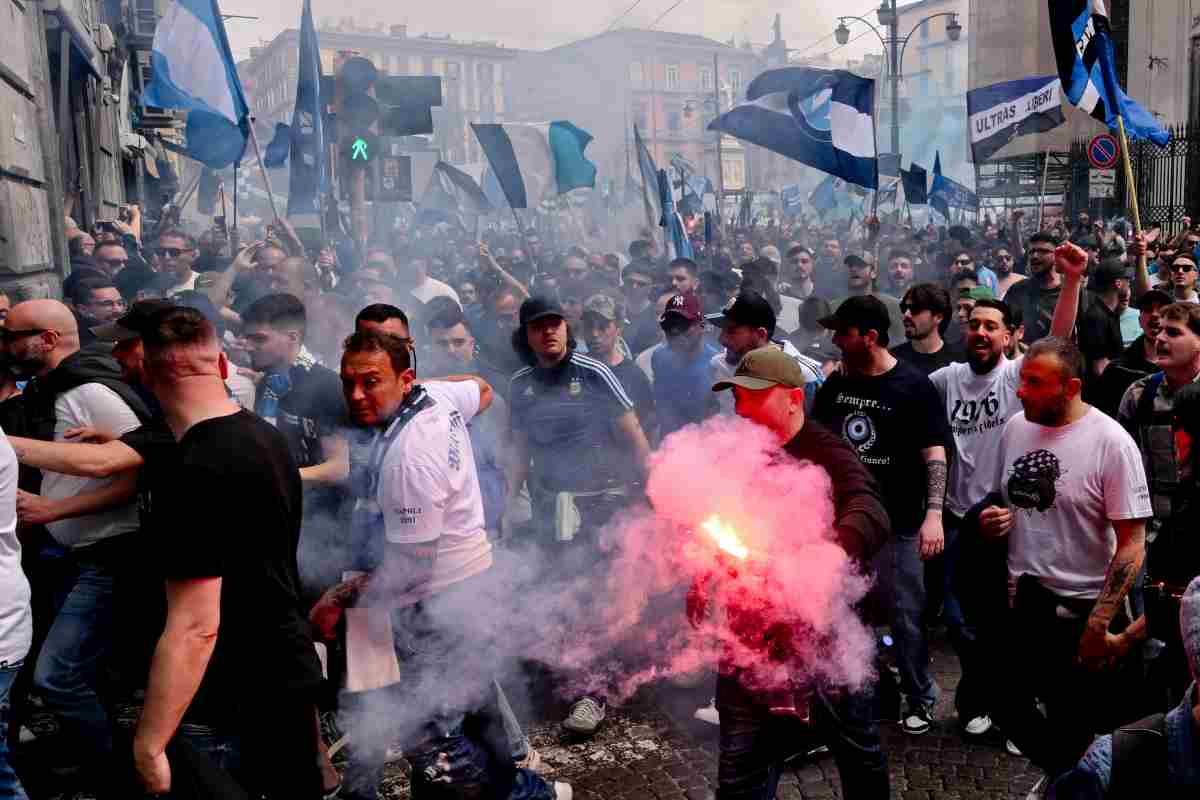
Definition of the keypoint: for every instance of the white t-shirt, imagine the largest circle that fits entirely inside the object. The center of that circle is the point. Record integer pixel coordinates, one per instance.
(1065, 486)
(96, 406)
(977, 406)
(428, 487)
(432, 288)
(187, 286)
(16, 619)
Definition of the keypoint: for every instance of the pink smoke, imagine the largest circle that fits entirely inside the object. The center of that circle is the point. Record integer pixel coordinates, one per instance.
(795, 591)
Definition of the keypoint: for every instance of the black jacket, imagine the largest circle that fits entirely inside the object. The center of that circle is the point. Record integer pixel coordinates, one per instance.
(860, 519)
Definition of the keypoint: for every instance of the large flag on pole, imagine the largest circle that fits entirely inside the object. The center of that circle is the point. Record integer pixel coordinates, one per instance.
(193, 70)
(531, 162)
(649, 172)
(308, 135)
(914, 178)
(678, 244)
(946, 193)
(999, 113)
(823, 118)
(1083, 48)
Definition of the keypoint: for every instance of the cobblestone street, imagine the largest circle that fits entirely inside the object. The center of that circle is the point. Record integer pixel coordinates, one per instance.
(652, 748)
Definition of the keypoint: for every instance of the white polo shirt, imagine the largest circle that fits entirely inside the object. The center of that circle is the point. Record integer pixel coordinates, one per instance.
(428, 487)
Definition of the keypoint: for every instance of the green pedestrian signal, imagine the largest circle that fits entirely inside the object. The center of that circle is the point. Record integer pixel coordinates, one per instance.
(358, 150)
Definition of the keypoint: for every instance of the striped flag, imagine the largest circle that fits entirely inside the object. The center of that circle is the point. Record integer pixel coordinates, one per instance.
(532, 162)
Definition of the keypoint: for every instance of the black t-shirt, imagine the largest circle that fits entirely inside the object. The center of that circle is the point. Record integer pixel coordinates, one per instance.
(1100, 332)
(155, 443)
(235, 506)
(888, 419)
(928, 362)
(312, 408)
(638, 387)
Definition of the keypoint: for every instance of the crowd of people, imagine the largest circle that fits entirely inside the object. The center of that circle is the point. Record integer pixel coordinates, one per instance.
(245, 483)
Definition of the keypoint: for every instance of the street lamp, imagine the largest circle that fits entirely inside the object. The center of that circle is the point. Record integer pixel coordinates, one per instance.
(894, 47)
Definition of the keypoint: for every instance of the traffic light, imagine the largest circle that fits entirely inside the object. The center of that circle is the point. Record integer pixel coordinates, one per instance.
(358, 112)
(405, 104)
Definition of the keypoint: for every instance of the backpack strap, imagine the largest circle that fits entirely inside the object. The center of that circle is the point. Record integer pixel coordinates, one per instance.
(1139, 759)
(1144, 414)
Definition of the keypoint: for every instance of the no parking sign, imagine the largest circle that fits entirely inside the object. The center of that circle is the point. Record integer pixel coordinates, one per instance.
(1102, 151)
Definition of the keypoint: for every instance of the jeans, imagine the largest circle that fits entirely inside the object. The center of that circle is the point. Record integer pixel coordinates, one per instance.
(754, 743)
(972, 697)
(70, 666)
(902, 582)
(1036, 660)
(10, 784)
(444, 713)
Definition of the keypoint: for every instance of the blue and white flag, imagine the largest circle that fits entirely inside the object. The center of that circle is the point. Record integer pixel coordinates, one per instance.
(678, 243)
(823, 118)
(999, 113)
(791, 199)
(946, 193)
(826, 196)
(307, 180)
(649, 172)
(1083, 48)
(533, 162)
(192, 69)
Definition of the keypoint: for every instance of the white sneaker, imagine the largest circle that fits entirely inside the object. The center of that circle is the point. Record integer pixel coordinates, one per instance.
(978, 726)
(709, 713)
(25, 736)
(1012, 748)
(1038, 792)
(585, 717)
(563, 791)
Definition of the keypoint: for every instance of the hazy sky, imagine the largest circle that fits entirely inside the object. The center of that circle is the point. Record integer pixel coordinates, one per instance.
(539, 24)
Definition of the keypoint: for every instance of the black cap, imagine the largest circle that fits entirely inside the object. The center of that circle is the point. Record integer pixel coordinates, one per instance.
(536, 308)
(1108, 272)
(1153, 297)
(135, 323)
(855, 261)
(748, 308)
(864, 312)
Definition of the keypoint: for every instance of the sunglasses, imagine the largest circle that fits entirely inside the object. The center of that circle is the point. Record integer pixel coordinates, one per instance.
(962, 261)
(9, 335)
(1181, 267)
(173, 252)
(909, 307)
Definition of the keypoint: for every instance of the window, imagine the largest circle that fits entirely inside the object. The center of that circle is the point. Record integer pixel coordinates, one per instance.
(925, 29)
(672, 76)
(416, 67)
(706, 79)
(674, 121)
(327, 62)
(924, 60)
(735, 80)
(637, 74)
(924, 83)
(452, 70)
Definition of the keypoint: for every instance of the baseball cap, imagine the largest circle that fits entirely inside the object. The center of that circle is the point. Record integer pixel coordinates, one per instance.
(1152, 297)
(1107, 272)
(864, 312)
(536, 308)
(763, 368)
(855, 261)
(979, 293)
(686, 306)
(603, 305)
(748, 308)
(134, 323)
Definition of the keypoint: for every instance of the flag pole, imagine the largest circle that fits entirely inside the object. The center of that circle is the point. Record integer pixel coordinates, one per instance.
(1042, 196)
(263, 167)
(1133, 201)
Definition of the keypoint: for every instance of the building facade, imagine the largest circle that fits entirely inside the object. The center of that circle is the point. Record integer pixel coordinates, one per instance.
(474, 76)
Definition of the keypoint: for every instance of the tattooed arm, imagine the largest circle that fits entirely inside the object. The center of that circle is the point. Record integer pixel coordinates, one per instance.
(1097, 646)
(933, 539)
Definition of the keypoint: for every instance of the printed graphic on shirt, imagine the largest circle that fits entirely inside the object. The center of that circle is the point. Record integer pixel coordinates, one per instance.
(1033, 481)
(859, 431)
(968, 417)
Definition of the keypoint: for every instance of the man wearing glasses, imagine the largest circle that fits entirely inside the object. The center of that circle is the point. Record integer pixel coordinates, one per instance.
(111, 257)
(97, 302)
(1002, 263)
(1037, 297)
(964, 263)
(1182, 278)
(177, 251)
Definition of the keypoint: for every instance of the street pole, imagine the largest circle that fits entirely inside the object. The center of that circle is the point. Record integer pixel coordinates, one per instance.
(894, 79)
(720, 157)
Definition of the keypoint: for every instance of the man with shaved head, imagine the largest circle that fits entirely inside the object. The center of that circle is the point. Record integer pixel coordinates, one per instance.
(235, 657)
(69, 388)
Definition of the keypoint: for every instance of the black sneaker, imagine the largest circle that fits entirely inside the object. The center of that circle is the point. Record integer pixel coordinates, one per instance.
(917, 720)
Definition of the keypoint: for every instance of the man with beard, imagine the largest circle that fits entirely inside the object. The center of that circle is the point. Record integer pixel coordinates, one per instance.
(683, 369)
(69, 388)
(603, 326)
(1038, 296)
(887, 411)
(1070, 496)
(768, 389)
(926, 309)
(1138, 359)
(1002, 263)
(748, 323)
(900, 272)
(1146, 408)
(96, 302)
(1181, 277)
(860, 282)
(979, 397)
